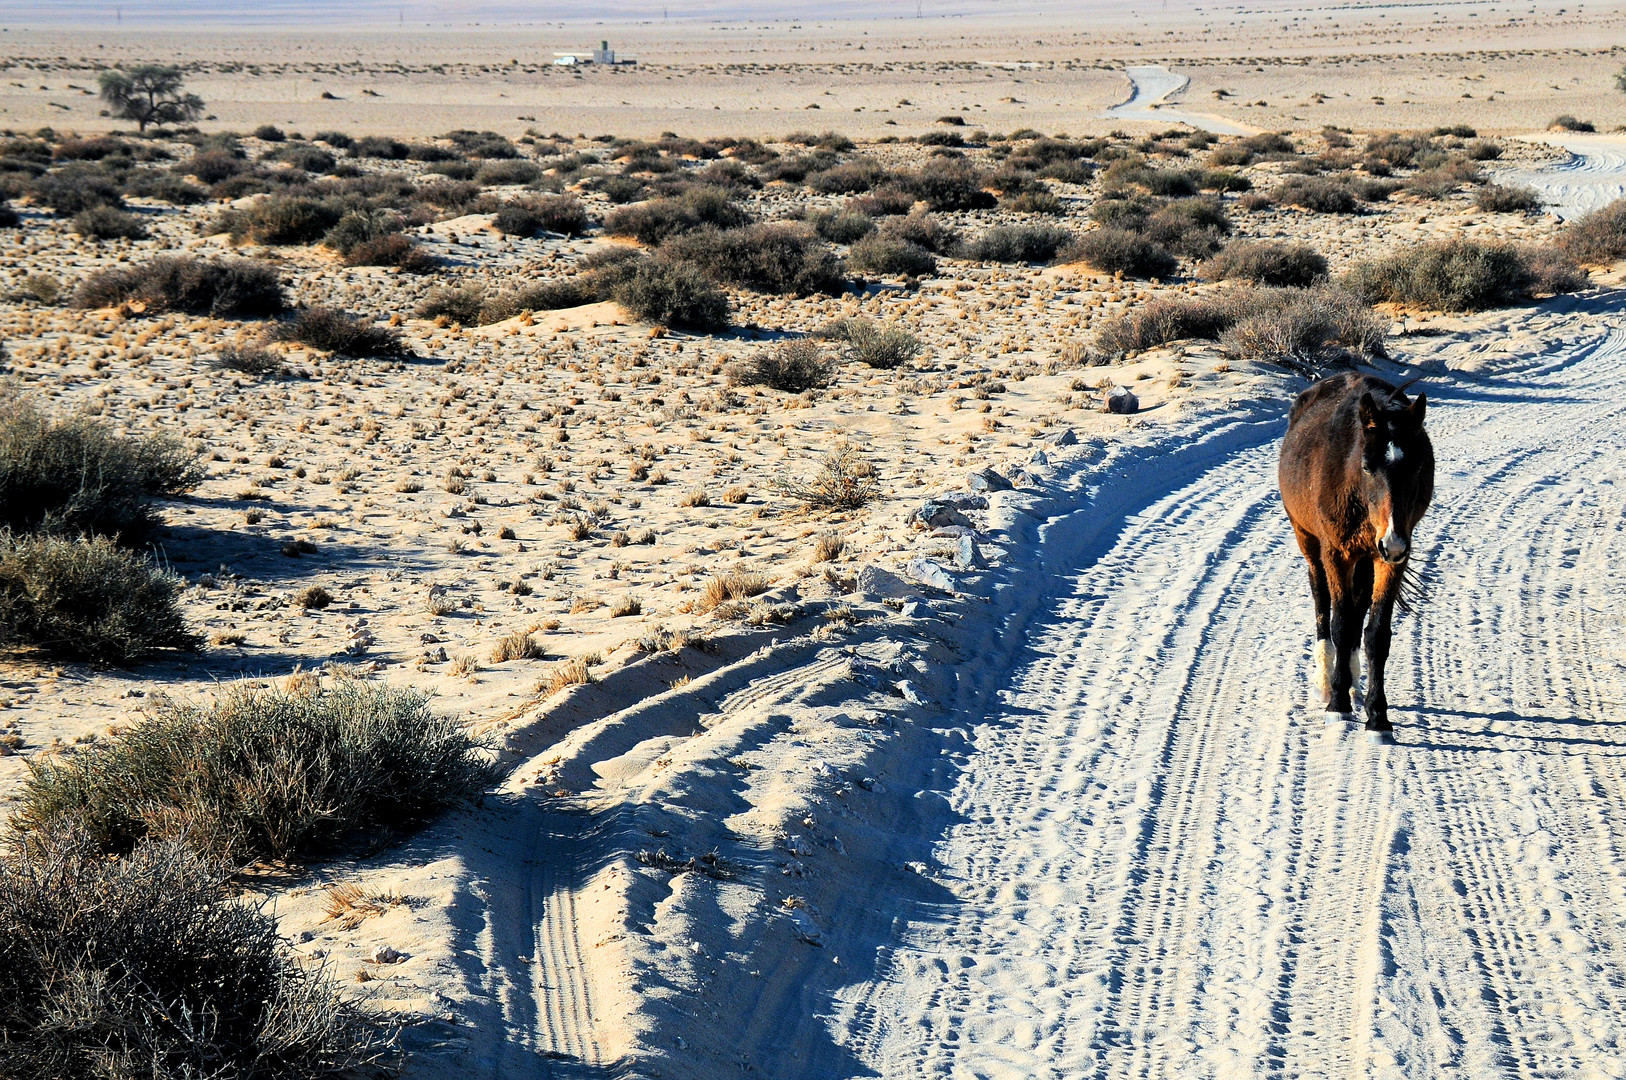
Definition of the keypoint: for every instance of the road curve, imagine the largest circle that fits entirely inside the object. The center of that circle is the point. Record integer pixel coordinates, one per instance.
(1149, 86)
(1592, 176)
(1163, 864)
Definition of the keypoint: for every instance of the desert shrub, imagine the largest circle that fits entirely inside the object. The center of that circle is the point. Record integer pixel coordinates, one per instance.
(1127, 212)
(1020, 243)
(880, 347)
(885, 255)
(450, 194)
(360, 226)
(92, 149)
(655, 220)
(1032, 202)
(254, 360)
(107, 223)
(884, 202)
(481, 144)
(1397, 149)
(1316, 194)
(948, 185)
(1267, 262)
(87, 599)
(75, 189)
(224, 288)
(1303, 324)
(923, 230)
(1370, 189)
(1437, 183)
(791, 366)
(507, 173)
(673, 293)
(849, 177)
(1458, 275)
(1230, 155)
(152, 184)
(1598, 237)
(561, 214)
(777, 258)
(378, 146)
(1271, 145)
(1193, 227)
(1566, 122)
(1223, 180)
(76, 475)
(304, 156)
(453, 170)
(1483, 150)
(392, 249)
(1121, 251)
(618, 189)
(9, 218)
(282, 219)
(841, 227)
(459, 303)
(1497, 199)
(151, 966)
(845, 481)
(942, 138)
(339, 140)
(1068, 172)
(262, 772)
(269, 133)
(335, 331)
(538, 296)
(213, 166)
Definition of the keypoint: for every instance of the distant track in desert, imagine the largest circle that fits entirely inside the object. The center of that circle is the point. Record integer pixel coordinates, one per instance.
(1163, 863)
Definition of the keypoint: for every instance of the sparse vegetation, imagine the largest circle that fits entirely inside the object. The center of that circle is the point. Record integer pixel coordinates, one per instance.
(1597, 239)
(1496, 199)
(1267, 263)
(791, 366)
(261, 773)
(845, 481)
(1463, 275)
(224, 288)
(336, 331)
(1301, 324)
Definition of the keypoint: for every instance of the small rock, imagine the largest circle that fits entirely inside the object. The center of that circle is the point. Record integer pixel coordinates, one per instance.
(1120, 399)
(930, 574)
(1039, 458)
(968, 555)
(1064, 437)
(914, 609)
(987, 480)
(428, 639)
(386, 955)
(907, 691)
(881, 583)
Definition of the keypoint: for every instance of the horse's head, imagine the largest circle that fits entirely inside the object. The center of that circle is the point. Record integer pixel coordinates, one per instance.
(1396, 464)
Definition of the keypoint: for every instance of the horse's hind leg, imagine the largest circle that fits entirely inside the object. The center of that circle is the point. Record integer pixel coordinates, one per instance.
(1360, 600)
(1321, 677)
(1386, 589)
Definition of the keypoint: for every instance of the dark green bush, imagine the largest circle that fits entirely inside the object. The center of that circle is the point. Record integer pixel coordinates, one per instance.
(87, 599)
(563, 214)
(1267, 262)
(1121, 251)
(1598, 238)
(949, 185)
(507, 173)
(262, 773)
(841, 227)
(923, 230)
(269, 133)
(482, 144)
(339, 140)
(849, 177)
(790, 366)
(74, 189)
(655, 220)
(76, 476)
(282, 219)
(378, 146)
(1019, 244)
(1462, 275)
(213, 166)
(777, 258)
(673, 293)
(1497, 199)
(254, 360)
(224, 288)
(335, 331)
(885, 202)
(1566, 122)
(1316, 194)
(881, 347)
(106, 223)
(359, 227)
(304, 156)
(149, 966)
(887, 255)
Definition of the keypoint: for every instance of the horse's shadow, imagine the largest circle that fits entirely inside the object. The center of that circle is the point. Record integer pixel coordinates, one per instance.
(1479, 738)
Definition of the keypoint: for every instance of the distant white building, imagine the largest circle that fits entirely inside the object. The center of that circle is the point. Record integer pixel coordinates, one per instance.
(601, 55)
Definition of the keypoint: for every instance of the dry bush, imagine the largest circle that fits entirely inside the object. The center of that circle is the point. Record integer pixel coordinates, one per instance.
(1121, 251)
(695, 497)
(312, 598)
(948, 184)
(876, 346)
(924, 230)
(626, 606)
(841, 227)
(1302, 324)
(827, 546)
(282, 219)
(732, 586)
(75, 189)
(880, 254)
(1019, 244)
(1463, 275)
(262, 773)
(223, 288)
(791, 366)
(108, 223)
(1566, 122)
(395, 250)
(149, 966)
(778, 258)
(254, 360)
(673, 294)
(1597, 239)
(1316, 194)
(350, 904)
(332, 330)
(87, 599)
(1497, 199)
(845, 481)
(562, 214)
(577, 672)
(518, 645)
(1267, 262)
(76, 475)
(653, 221)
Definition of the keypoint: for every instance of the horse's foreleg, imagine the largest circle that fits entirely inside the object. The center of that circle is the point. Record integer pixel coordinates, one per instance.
(1321, 676)
(1386, 588)
(1346, 632)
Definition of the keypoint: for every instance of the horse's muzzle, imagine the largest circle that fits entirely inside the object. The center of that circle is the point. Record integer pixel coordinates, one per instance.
(1394, 551)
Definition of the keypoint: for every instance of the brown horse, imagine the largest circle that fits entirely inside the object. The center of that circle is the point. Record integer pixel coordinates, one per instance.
(1356, 473)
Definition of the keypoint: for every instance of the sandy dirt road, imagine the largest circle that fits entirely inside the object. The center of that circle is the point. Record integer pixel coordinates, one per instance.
(1162, 863)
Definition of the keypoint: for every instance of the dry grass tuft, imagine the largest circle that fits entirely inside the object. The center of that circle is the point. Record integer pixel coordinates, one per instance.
(845, 481)
(734, 585)
(516, 646)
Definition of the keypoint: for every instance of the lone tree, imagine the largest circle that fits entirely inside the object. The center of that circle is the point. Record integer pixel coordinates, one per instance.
(149, 94)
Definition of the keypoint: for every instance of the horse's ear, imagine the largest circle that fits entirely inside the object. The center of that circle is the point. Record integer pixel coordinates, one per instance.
(1418, 406)
(1369, 411)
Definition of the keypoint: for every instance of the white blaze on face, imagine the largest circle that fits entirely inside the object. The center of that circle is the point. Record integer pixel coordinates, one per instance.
(1390, 542)
(1395, 455)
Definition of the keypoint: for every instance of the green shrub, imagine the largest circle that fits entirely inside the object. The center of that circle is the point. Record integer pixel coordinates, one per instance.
(841, 227)
(777, 258)
(150, 966)
(378, 146)
(1496, 199)
(213, 166)
(563, 214)
(673, 294)
(881, 347)
(1566, 122)
(87, 599)
(224, 288)
(304, 156)
(269, 133)
(459, 303)
(1598, 238)
(335, 331)
(1483, 150)
(507, 173)
(1121, 251)
(9, 218)
(1020, 243)
(482, 144)
(392, 249)
(1301, 324)
(339, 140)
(948, 185)
(791, 366)
(1267, 262)
(655, 220)
(849, 177)
(1462, 275)
(1193, 227)
(262, 773)
(359, 227)
(106, 223)
(152, 184)
(845, 481)
(885, 255)
(75, 189)
(76, 475)
(282, 219)
(1316, 194)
